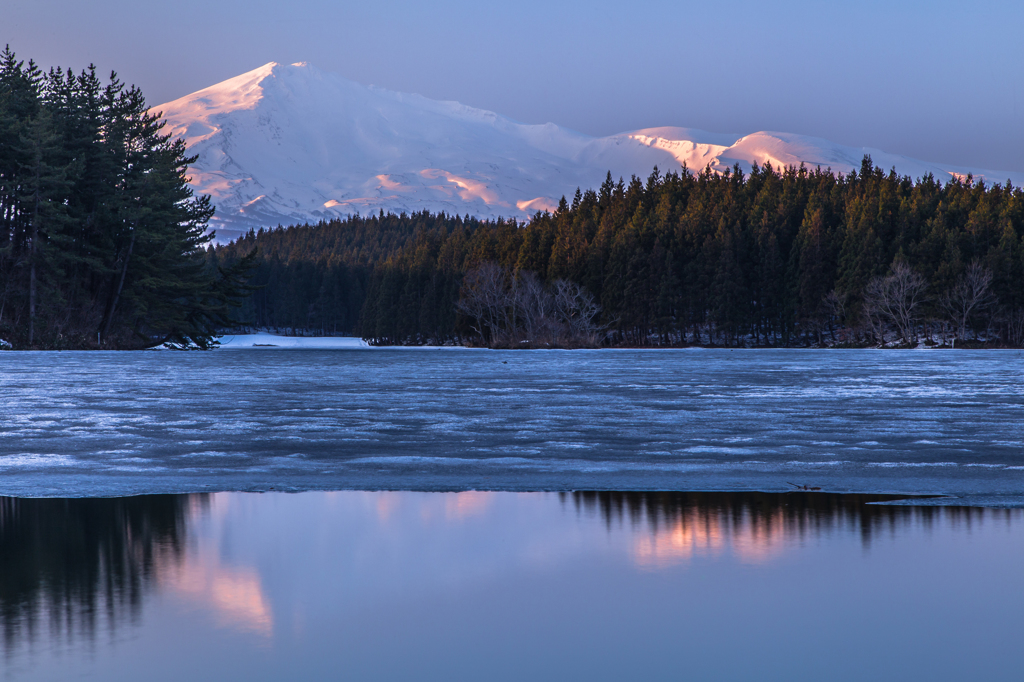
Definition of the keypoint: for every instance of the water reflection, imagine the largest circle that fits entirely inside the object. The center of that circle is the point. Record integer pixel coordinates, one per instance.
(282, 574)
(234, 594)
(75, 563)
(754, 526)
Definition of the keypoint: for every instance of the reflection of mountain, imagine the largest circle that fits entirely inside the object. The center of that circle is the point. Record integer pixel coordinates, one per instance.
(233, 594)
(751, 525)
(69, 565)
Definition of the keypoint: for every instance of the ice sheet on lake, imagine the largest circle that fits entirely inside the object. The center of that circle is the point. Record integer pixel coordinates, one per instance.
(101, 423)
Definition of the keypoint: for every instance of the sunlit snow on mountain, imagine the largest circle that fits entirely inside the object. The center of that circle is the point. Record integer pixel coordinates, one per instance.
(289, 144)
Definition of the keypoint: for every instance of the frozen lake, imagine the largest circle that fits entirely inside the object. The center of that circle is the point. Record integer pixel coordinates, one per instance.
(508, 586)
(97, 423)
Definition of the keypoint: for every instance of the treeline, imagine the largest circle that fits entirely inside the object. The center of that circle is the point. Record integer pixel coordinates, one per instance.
(102, 243)
(314, 278)
(773, 257)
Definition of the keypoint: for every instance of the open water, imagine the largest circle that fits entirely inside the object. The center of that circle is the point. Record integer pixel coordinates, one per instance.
(508, 586)
(97, 423)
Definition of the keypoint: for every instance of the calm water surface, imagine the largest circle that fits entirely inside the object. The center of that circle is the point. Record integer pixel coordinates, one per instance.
(508, 586)
(848, 421)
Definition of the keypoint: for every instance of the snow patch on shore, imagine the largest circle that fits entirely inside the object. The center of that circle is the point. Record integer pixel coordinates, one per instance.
(274, 341)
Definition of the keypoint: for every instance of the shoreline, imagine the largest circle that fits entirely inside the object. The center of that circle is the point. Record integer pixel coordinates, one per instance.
(274, 341)
(883, 497)
(869, 498)
(369, 347)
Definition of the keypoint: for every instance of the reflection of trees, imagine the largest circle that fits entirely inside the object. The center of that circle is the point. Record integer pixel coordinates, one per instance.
(74, 563)
(767, 517)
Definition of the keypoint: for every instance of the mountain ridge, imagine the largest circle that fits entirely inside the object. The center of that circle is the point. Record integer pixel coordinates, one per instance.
(286, 144)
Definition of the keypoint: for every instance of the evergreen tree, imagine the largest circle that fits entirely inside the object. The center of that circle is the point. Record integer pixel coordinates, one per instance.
(101, 240)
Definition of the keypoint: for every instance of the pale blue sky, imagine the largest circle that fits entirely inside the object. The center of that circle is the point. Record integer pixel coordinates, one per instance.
(940, 81)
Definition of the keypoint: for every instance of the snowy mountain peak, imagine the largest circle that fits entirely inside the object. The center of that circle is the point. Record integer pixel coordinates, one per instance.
(285, 144)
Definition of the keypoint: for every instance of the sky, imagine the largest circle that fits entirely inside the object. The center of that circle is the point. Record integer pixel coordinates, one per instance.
(940, 81)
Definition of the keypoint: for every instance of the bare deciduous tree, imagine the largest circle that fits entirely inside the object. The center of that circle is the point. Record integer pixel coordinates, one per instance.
(971, 294)
(534, 309)
(507, 311)
(576, 310)
(895, 298)
(484, 299)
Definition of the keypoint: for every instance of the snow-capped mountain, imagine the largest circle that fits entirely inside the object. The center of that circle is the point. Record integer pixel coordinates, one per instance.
(284, 144)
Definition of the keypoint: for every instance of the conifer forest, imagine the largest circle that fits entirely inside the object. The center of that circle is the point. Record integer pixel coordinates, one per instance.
(774, 257)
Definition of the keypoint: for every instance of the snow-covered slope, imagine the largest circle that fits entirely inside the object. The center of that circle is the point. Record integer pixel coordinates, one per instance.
(290, 143)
